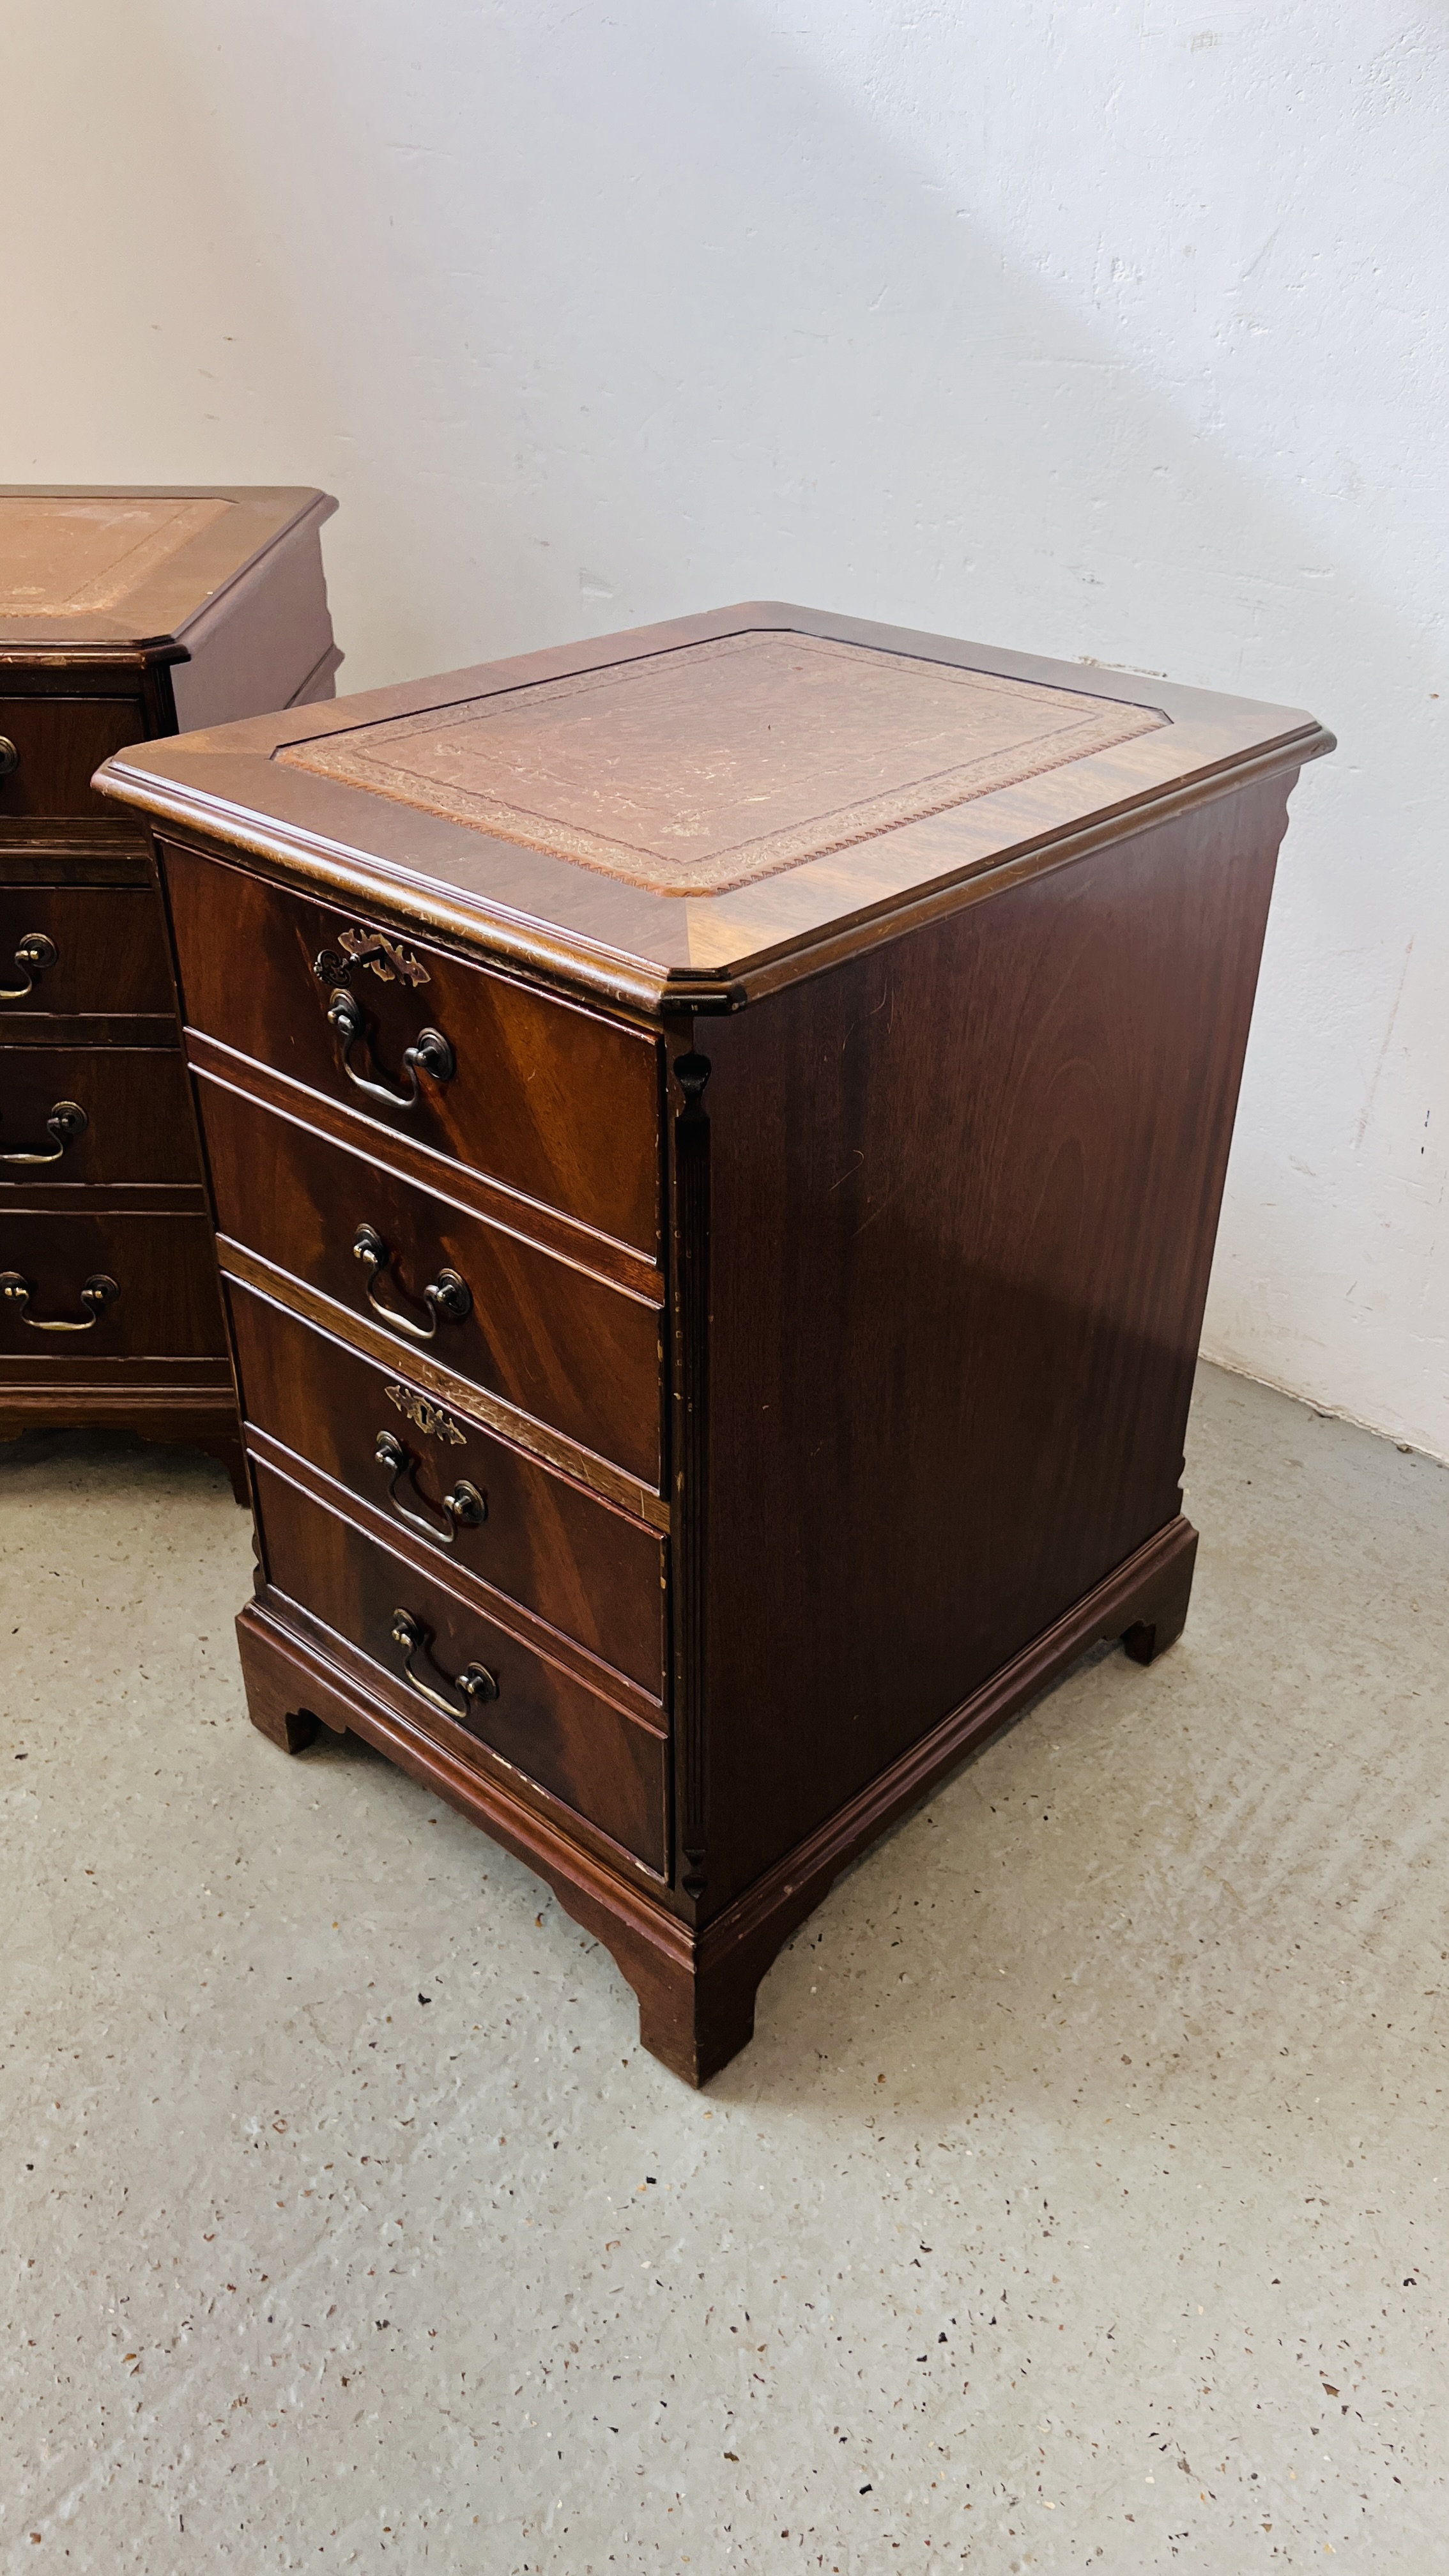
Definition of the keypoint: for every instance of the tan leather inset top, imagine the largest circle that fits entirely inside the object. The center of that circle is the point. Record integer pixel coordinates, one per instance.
(61, 556)
(696, 771)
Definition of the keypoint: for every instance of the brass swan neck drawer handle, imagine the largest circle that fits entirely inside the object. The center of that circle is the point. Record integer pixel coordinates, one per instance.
(446, 1295)
(430, 1054)
(463, 1508)
(475, 1681)
(98, 1293)
(66, 1123)
(35, 956)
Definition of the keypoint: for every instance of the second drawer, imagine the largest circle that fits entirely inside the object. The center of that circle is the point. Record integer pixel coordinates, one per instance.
(563, 1346)
(95, 1114)
(577, 1563)
(83, 949)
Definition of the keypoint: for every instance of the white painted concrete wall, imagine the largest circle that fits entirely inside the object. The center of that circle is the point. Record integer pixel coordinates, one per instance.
(1103, 330)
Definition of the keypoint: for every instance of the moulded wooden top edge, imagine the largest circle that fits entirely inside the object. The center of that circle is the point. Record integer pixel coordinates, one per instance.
(587, 971)
(652, 951)
(1245, 722)
(169, 600)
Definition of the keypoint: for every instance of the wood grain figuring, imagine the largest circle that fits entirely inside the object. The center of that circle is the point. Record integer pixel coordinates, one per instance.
(136, 1101)
(700, 770)
(997, 1156)
(553, 1341)
(556, 1103)
(582, 1566)
(569, 1741)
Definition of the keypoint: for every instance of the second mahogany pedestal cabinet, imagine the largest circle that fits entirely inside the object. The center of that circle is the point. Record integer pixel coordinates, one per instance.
(123, 614)
(716, 1137)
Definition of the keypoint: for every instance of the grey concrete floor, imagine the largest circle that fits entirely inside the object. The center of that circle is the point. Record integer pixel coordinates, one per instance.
(1081, 2200)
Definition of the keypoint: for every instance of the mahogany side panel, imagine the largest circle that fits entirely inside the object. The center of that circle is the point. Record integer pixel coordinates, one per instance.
(551, 1339)
(981, 1170)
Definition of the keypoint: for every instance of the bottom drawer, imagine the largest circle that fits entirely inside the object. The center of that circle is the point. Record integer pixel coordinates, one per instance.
(162, 1269)
(537, 1718)
(574, 1561)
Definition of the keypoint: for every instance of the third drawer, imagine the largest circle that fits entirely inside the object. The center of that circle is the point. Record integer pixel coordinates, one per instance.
(134, 1124)
(588, 1570)
(561, 1345)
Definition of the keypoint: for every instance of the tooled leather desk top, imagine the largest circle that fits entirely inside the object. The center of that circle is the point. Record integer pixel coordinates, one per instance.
(704, 769)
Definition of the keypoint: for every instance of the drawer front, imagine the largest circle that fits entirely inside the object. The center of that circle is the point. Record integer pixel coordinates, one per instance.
(553, 1341)
(101, 949)
(164, 1267)
(94, 1114)
(588, 1570)
(566, 1739)
(61, 743)
(551, 1101)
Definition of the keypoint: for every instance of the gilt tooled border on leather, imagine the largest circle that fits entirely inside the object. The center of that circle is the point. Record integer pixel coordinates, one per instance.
(356, 759)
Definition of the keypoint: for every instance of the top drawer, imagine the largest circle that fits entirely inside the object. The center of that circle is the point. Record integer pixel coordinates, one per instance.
(58, 744)
(547, 1098)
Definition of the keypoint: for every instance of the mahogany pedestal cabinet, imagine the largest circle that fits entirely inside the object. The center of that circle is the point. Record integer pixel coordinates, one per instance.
(124, 615)
(716, 1137)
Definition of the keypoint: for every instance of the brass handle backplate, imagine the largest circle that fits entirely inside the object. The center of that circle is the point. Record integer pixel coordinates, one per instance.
(98, 1293)
(430, 1053)
(475, 1682)
(448, 1294)
(463, 1508)
(66, 1123)
(9, 757)
(35, 956)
